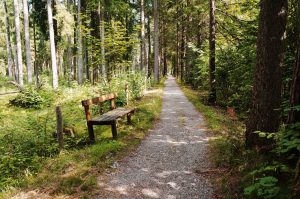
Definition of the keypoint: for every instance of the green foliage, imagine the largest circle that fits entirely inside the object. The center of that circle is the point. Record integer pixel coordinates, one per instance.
(265, 187)
(136, 85)
(289, 141)
(28, 98)
(28, 135)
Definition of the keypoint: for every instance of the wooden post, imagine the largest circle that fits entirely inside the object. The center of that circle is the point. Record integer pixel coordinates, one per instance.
(59, 126)
(91, 133)
(126, 93)
(114, 130)
(129, 118)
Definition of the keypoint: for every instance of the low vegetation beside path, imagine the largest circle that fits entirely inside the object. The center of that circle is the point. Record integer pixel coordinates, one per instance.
(29, 148)
(241, 172)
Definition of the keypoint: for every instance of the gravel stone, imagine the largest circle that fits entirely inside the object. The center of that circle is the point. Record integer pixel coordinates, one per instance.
(164, 164)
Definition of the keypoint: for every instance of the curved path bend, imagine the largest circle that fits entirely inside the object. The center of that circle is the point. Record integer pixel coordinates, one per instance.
(164, 164)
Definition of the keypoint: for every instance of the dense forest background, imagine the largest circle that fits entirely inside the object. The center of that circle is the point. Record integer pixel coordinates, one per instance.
(242, 55)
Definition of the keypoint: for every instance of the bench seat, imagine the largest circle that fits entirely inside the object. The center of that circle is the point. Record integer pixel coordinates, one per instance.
(110, 117)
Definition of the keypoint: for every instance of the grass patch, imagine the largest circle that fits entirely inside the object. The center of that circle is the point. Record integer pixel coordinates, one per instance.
(73, 171)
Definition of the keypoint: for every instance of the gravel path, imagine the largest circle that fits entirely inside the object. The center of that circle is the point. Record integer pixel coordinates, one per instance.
(164, 164)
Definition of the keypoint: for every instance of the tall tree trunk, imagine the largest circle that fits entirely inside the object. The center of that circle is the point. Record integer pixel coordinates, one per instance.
(69, 68)
(85, 42)
(18, 42)
(102, 21)
(156, 41)
(27, 42)
(95, 33)
(52, 45)
(267, 80)
(149, 47)
(183, 44)
(79, 45)
(35, 65)
(143, 40)
(10, 62)
(177, 41)
(212, 53)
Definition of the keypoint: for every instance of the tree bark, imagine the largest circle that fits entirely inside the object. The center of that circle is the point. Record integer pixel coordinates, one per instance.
(79, 44)
(95, 33)
(52, 45)
(27, 42)
(212, 53)
(266, 98)
(143, 40)
(183, 45)
(149, 47)
(177, 41)
(156, 41)
(102, 21)
(18, 42)
(10, 62)
(69, 68)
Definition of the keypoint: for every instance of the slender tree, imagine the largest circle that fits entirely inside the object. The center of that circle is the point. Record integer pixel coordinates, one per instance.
(156, 40)
(18, 43)
(183, 42)
(143, 39)
(212, 52)
(10, 62)
(102, 22)
(52, 45)
(27, 42)
(79, 45)
(267, 80)
(69, 68)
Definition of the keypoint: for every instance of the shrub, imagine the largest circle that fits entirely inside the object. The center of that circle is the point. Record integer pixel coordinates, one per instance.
(28, 98)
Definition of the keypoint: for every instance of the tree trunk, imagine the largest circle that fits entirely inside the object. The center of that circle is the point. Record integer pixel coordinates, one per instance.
(27, 42)
(149, 47)
(212, 53)
(156, 41)
(18, 42)
(10, 62)
(143, 40)
(79, 44)
(264, 115)
(177, 41)
(69, 68)
(35, 65)
(52, 46)
(102, 21)
(183, 45)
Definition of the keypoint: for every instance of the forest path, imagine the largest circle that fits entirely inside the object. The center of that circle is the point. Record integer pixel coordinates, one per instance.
(164, 164)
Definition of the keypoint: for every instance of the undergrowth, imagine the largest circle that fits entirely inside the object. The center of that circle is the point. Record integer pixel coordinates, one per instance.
(28, 144)
(245, 173)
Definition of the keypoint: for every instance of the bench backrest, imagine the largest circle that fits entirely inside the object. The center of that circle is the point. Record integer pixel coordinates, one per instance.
(98, 101)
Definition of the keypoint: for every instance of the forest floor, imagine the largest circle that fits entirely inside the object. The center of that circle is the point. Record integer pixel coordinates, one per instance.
(168, 161)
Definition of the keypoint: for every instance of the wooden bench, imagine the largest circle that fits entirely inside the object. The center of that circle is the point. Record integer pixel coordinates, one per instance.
(108, 118)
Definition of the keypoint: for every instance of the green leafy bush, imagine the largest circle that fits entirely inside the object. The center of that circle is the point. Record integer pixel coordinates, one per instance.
(28, 98)
(265, 187)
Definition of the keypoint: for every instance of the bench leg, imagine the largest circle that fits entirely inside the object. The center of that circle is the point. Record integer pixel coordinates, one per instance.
(91, 133)
(114, 130)
(129, 119)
